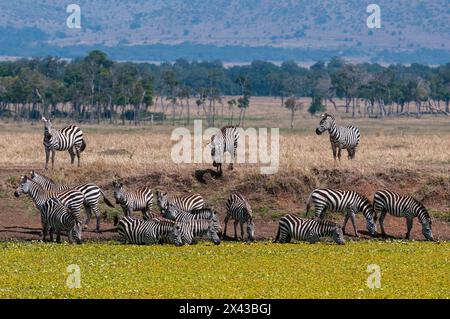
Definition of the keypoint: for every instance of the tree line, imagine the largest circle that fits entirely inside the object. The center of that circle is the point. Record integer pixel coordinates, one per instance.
(97, 89)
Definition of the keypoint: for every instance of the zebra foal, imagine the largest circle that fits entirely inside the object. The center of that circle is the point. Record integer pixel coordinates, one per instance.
(130, 201)
(240, 211)
(311, 230)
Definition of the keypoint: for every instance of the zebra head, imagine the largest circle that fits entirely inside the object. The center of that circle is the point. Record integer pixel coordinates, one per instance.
(47, 126)
(162, 199)
(369, 213)
(251, 230)
(175, 235)
(426, 229)
(217, 146)
(326, 123)
(24, 186)
(338, 235)
(118, 191)
(76, 232)
(170, 211)
(213, 230)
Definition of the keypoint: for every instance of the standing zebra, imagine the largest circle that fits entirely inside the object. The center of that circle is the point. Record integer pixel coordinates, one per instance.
(198, 228)
(146, 232)
(340, 137)
(68, 139)
(240, 210)
(348, 202)
(174, 213)
(293, 227)
(224, 141)
(185, 203)
(402, 206)
(55, 217)
(140, 199)
(72, 199)
(91, 193)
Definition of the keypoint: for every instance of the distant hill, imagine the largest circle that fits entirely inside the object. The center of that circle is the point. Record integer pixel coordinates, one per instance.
(412, 30)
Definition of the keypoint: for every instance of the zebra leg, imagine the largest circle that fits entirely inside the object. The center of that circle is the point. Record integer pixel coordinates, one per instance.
(58, 236)
(72, 155)
(53, 158)
(235, 229)
(70, 236)
(77, 151)
(347, 216)
(409, 225)
(97, 219)
(242, 230)
(50, 233)
(352, 217)
(382, 216)
(333, 148)
(47, 157)
(224, 235)
(340, 154)
(44, 231)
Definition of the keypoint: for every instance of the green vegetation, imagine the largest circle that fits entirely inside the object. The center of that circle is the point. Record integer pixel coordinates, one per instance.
(231, 270)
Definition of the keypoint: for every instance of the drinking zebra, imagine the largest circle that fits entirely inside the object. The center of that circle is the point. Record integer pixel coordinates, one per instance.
(402, 206)
(199, 228)
(340, 137)
(224, 141)
(147, 232)
(239, 209)
(186, 203)
(91, 193)
(311, 230)
(55, 217)
(68, 139)
(348, 202)
(72, 198)
(130, 201)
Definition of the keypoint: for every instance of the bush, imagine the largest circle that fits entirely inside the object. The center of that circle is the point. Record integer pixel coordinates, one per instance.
(316, 106)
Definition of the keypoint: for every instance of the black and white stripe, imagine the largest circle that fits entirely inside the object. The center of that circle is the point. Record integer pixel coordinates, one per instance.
(137, 200)
(55, 217)
(147, 232)
(340, 137)
(240, 211)
(172, 212)
(90, 191)
(224, 141)
(186, 203)
(68, 139)
(347, 202)
(199, 228)
(402, 206)
(311, 230)
(73, 199)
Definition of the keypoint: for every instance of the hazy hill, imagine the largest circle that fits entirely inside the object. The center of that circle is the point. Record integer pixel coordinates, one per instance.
(411, 29)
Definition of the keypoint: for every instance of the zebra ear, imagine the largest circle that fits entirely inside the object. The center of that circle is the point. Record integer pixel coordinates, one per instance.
(44, 119)
(32, 174)
(210, 145)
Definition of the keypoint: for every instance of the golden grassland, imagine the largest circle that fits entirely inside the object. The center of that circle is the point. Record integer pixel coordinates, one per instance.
(231, 270)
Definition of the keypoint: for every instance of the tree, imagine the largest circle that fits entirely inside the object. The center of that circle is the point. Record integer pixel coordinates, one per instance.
(293, 105)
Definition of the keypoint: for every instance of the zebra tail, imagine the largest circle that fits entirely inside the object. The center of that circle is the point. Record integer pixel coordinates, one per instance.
(83, 145)
(107, 202)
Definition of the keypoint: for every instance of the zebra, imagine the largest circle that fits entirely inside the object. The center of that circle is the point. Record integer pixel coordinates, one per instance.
(185, 203)
(199, 228)
(240, 210)
(348, 202)
(340, 137)
(402, 206)
(311, 230)
(172, 212)
(55, 217)
(140, 199)
(224, 141)
(72, 199)
(147, 232)
(91, 193)
(68, 139)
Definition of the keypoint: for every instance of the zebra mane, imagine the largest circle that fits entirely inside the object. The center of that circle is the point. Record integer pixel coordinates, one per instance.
(366, 204)
(421, 207)
(42, 176)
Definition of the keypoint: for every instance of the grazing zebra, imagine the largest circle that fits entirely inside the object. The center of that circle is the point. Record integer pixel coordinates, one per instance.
(55, 217)
(68, 139)
(239, 209)
(340, 137)
(198, 228)
(72, 199)
(147, 232)
(186, 203)
(402, 206)
(347, 202)
(91, 193)
(225, 141)
(130, 201)
(293, 227)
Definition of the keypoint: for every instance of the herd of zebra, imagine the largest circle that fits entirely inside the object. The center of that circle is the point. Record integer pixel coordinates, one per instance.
(183, 219)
